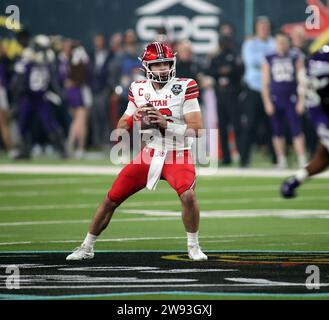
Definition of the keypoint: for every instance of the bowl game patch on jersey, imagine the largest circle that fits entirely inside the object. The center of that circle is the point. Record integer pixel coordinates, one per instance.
(176, 89)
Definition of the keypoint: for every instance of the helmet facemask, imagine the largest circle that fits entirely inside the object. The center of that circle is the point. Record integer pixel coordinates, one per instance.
(160, 76)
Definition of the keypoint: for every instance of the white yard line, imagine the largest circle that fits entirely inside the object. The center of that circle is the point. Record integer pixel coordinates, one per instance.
(285, 244)
(52, 222)
(238, 213)
(135, 239)
(176, 215)
(227, 238)
(31, 194)
(47, 207)
(133, 204)
(217, 189)
(102, 191)
(15, 243)
(246, 173)
(47, 181)
(59, 169)
(111, 170)
(231, 201)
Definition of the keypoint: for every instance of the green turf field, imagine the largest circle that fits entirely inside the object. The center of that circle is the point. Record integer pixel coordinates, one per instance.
(48, 212)
(41, 212)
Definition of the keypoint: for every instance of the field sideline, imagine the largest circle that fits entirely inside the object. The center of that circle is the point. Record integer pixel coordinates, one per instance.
(241, 212)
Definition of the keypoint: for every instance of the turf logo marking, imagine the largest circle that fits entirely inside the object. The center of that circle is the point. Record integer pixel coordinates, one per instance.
(47, 274)
(287, 260)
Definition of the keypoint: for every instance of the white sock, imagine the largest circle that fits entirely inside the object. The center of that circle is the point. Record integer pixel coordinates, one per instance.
(301, 175)
(282, 162)
(302, 161)
(89, 240)
(192, 239)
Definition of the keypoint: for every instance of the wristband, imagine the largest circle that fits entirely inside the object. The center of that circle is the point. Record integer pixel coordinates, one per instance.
(130, 122)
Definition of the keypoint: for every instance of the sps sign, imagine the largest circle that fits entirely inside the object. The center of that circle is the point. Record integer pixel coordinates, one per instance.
(201, 28)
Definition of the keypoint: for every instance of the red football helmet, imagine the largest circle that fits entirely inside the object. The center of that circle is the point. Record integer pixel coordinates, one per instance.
(156, 52)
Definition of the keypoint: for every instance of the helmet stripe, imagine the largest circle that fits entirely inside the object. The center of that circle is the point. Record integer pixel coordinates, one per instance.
(158, 47)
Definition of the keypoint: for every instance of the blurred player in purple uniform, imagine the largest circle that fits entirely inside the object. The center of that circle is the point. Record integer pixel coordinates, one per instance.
(316, 89)
(35, 88)
(281, 100)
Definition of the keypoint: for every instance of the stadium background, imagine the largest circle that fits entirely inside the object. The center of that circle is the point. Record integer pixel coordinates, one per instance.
(199, 23)
(46, 204)
(66, 17)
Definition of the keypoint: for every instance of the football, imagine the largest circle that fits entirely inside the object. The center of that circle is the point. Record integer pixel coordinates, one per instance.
(145, 122)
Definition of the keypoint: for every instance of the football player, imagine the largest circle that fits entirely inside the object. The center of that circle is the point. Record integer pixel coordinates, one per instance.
(316, 86)
(172, 104)
(35, 90)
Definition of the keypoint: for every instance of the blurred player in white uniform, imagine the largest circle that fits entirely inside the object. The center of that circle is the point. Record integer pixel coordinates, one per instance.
(172, 106)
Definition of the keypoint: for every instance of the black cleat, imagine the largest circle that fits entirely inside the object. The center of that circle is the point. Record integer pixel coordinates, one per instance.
(288, 187)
